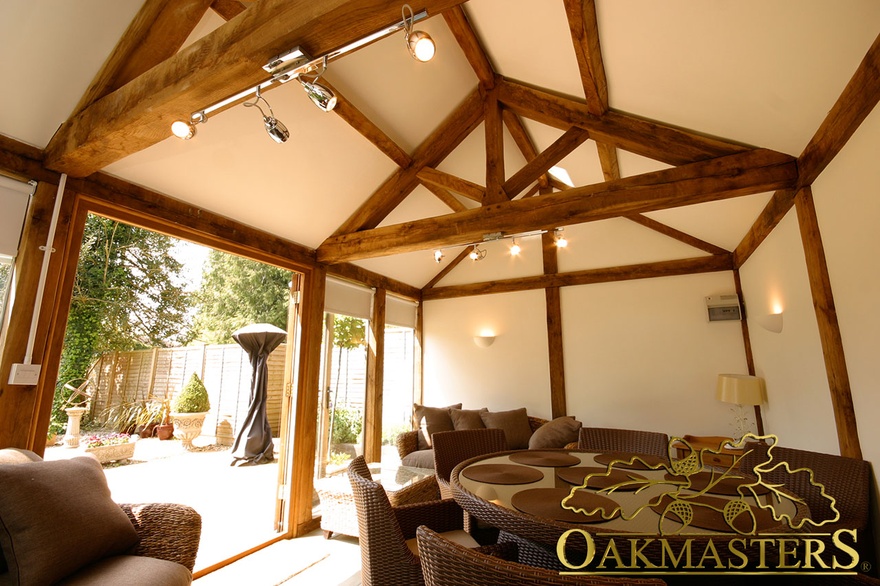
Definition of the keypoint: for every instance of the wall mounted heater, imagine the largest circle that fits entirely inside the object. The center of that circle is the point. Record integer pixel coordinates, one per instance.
(723, 307)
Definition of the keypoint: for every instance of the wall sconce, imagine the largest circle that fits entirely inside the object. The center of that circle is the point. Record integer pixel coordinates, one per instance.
(742, 389)
(484, 341)
(771, 322)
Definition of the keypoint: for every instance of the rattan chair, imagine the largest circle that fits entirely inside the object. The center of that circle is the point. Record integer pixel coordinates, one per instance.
(847, 480)
(604, 439)
(389, 555)
(445, 563)
(453, 447)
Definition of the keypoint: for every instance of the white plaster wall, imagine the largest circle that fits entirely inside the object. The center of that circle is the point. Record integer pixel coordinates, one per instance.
(643, 355)
(847, 197)
(799, 406)
(512, 373)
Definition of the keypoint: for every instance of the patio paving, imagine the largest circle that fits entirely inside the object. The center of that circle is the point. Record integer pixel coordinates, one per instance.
(237, 504)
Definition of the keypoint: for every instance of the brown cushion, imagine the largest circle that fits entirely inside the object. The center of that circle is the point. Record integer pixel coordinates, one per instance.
(431, 420)
(57, 517)
(467, 418)
(419, 459)
(556, 434)
(131, 570)
(515, 424)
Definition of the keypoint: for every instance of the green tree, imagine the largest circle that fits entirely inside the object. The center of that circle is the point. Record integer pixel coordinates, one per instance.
(236, 292)
(126, 295)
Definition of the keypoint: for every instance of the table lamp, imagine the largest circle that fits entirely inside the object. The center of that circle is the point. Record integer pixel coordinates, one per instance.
(742, 389)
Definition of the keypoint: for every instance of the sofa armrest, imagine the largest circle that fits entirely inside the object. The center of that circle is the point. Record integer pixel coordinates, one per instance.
(407, 443)
(167, 531)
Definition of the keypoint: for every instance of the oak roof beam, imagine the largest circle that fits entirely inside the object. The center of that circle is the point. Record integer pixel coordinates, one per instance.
(139, 114)
(704, 264)
(732, 176)
(538, 166)
(468, 189)
(654, 140)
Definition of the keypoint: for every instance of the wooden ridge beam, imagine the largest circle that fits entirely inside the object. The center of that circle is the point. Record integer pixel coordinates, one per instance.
(654, 140)
(431, 152)
(470, 190)
(139, 114)
(856, 101)
(670, 268)
(736, 175)
(227, 9)
(563, 146)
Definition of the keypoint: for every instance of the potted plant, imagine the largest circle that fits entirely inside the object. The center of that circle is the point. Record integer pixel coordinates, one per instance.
(189, 410)
(165, 429)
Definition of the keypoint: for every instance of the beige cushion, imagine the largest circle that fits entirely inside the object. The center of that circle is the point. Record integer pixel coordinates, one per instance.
(130, 570)
(556, 434)
(430, 420)
(458, 536)
(515, 424)
(57, 517)
(467, 418)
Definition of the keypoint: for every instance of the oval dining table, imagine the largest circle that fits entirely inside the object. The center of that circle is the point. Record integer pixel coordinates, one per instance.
(519, 492)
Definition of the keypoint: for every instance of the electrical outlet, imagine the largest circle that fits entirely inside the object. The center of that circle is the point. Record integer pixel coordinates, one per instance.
(24, 374)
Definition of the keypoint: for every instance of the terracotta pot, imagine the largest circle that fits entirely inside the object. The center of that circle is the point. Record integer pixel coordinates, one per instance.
(164, 432)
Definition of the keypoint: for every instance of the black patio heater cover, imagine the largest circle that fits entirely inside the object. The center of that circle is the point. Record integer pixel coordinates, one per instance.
(253, 444)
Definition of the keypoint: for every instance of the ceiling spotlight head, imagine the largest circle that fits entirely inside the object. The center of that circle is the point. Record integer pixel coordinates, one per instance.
(276, 129)
(183, 130)
(515, 248)
(320, 95)
(420, 44)
(438, 256)
(561, 242)
(477, 253)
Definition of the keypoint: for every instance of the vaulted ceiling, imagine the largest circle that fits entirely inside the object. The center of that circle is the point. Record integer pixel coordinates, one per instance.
(677, 121)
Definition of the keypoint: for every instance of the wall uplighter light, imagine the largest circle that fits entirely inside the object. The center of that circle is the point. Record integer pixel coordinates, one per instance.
(484, 341)
(771, 322)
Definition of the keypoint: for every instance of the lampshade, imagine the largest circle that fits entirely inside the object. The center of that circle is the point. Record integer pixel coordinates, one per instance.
(741, 389)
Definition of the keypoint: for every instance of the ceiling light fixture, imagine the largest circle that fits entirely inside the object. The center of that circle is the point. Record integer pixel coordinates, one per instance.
(477, 253)
(291, 65)
(322, 96)
(515, 248)
(438, 255)
(277, 131)
(420, 44)
(561, 241)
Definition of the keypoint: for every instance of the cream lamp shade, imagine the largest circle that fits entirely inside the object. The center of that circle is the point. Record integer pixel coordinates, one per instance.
(741, 389)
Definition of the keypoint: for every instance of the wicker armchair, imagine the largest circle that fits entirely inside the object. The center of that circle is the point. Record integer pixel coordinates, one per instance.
(453, 447)
(387, 534)
(604, 439)
(165, 531)
(445, 563)
(847, 480)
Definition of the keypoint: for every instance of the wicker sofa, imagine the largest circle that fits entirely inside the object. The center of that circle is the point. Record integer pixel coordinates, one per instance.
(414, 448)
(58, 524)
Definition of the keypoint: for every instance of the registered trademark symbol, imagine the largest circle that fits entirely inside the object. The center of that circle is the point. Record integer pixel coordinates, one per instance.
(866, 566)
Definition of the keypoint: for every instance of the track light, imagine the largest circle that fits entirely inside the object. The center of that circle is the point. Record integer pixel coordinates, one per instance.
(438, 256)
(515, 248)
(420, 44)
(561, 242)
(277, 131)
(477, 253)
(187, 130)
(322, 96)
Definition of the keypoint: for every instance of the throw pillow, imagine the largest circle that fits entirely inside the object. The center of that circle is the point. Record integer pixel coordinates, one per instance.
(515, 424)
(57, 517)
(467, 418)
(431, 420)
(556, 434)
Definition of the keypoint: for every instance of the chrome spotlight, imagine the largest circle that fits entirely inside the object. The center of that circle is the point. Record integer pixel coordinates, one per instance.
(274, 127)
(420, 44)
(322, 96)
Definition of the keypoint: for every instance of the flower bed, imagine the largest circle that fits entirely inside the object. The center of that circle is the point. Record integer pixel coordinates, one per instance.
(109, 447)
